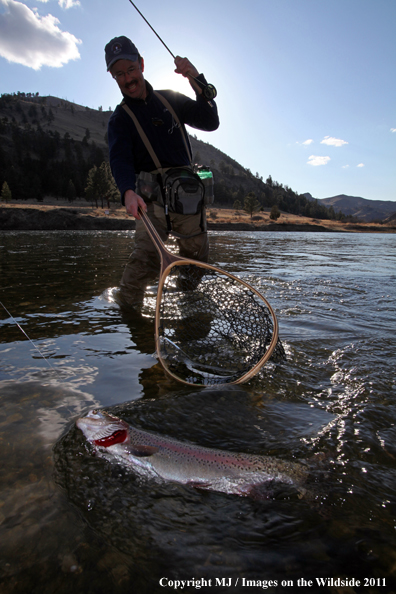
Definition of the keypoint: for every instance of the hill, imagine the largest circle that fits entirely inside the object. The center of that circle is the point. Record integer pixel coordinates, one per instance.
(359, 208)
(48, 145)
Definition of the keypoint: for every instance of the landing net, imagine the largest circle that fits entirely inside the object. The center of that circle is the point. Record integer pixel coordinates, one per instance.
(213, 328)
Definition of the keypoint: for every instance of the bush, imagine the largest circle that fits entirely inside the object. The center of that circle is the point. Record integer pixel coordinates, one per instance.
(275, 213)
(5, 192)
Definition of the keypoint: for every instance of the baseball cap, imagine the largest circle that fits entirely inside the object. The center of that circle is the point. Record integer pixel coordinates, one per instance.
(120, 48)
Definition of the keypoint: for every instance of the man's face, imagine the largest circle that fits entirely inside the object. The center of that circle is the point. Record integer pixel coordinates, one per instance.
(130, 79)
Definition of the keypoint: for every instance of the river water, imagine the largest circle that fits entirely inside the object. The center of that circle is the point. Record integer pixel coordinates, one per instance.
(70, 522)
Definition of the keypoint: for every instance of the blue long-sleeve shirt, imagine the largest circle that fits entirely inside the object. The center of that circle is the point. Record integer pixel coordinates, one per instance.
(128, 154)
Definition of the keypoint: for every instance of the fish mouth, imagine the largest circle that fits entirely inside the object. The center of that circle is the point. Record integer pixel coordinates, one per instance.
(118, 436)
(103, 429)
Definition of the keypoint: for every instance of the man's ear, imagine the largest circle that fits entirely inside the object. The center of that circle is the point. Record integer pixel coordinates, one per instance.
(142, 65)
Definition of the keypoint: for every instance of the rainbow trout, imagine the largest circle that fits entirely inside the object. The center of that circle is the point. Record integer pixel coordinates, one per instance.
(189, 464)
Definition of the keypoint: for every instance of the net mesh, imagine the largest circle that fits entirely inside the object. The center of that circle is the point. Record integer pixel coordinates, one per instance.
(213, 329)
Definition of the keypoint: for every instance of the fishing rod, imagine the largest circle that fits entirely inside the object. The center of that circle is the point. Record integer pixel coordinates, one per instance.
(208, 90)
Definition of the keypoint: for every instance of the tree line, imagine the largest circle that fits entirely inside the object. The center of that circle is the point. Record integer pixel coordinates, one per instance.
(36, 163)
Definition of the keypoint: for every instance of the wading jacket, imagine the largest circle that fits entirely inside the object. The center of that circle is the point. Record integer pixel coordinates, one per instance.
(128, 154)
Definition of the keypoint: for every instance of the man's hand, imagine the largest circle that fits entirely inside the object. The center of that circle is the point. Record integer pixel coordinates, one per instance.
(185, 68)
(132, 202)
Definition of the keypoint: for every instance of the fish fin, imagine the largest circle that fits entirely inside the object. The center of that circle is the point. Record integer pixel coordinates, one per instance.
(142, 451)
(200, 484)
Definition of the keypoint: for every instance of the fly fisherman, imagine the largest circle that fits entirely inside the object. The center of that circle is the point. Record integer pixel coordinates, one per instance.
(131, 155)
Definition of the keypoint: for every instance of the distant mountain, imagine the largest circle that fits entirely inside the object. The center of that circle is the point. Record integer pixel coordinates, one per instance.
(361, 208)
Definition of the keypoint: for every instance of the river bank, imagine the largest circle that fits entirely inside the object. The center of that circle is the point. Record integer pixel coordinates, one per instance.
(80, 216)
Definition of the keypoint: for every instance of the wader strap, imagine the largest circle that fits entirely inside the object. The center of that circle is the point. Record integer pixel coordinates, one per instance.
(172, 111)
(142, 135)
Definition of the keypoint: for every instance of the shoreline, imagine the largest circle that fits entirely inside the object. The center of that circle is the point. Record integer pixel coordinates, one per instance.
(80, 216)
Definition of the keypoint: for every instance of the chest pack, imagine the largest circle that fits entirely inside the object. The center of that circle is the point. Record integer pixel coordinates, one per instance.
(178, 189)
(184, 191)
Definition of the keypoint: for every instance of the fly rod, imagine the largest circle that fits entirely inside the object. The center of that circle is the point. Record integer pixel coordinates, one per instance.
(208, 90)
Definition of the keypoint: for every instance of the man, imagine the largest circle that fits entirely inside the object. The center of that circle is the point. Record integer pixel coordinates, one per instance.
(129, 157)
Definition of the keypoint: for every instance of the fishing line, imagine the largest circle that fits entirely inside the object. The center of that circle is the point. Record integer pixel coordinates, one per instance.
(22, 330)
(209, 91)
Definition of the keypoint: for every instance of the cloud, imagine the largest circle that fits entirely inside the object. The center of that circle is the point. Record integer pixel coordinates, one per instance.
(345, 167)
(316, 160)
(34, 41)
(65, 3)
(360, 165)
(333, 141)
(305, 143)
(393, 129)
(68, 3)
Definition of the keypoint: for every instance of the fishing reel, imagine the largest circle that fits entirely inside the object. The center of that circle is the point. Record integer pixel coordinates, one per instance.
(209, 92)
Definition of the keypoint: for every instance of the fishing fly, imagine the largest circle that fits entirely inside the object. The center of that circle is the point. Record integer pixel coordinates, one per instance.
(208, 90)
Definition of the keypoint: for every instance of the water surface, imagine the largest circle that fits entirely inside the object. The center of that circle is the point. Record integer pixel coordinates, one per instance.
(69, 521)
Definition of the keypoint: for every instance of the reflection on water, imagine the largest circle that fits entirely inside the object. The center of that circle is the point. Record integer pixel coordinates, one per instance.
(70, 521)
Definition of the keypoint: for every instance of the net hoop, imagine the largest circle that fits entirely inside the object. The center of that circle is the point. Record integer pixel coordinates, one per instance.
(275, 331)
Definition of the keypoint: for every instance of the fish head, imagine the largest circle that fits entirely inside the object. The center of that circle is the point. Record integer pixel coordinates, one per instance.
(103, 429)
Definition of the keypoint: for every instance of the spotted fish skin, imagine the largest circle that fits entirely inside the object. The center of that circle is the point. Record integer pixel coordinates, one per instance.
(186, 463)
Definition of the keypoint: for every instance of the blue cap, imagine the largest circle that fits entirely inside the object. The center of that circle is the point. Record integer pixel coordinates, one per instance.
(120, 48)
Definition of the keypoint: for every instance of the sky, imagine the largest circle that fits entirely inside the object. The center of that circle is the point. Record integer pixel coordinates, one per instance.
(306, 88)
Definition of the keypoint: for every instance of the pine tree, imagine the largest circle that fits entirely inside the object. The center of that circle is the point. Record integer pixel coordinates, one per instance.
(92, 189)
(5, 192)
(110, 190)
(101, 185)
(251, 204)
(71, 191)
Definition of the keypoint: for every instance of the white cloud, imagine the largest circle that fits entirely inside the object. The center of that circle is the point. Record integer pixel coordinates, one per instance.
(345, 167)
(316, 160)
(68, 3)
(393, 129)
(307, 142)
(64, 3)
(360, 165)
(329, 140)
(34, 41)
